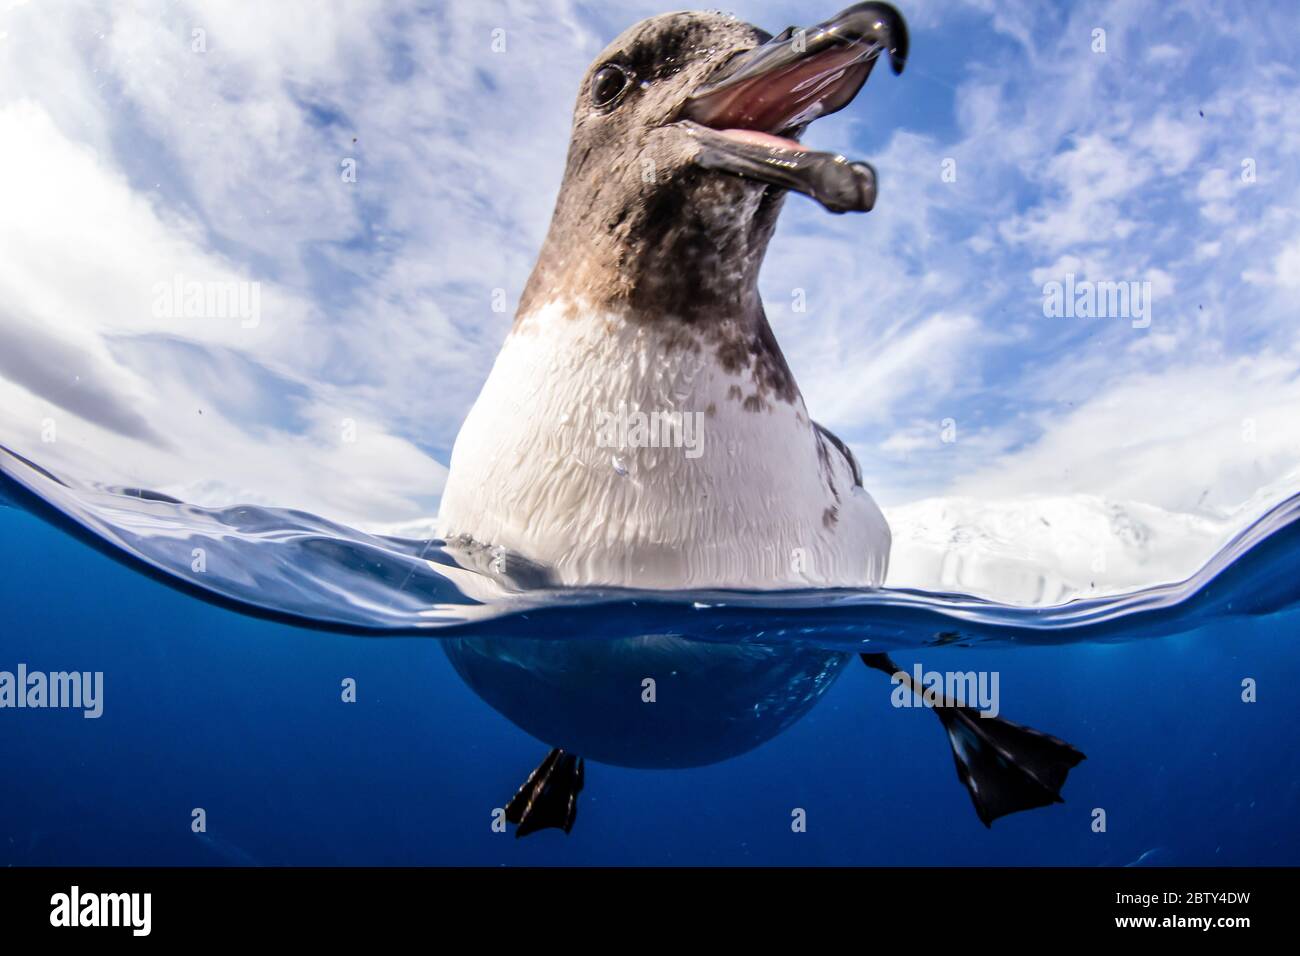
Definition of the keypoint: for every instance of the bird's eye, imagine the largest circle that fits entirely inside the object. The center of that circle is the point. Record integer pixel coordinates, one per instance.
(608, 84)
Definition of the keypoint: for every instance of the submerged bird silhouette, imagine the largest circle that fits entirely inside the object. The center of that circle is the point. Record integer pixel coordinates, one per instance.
(643, 309)
(642, 322)
(710, 702)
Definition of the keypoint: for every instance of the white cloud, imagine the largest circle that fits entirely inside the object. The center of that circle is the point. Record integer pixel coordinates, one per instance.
(83, 350)
(1164, 53)
(1285, 271)
(1197, 439)
(1091, 177)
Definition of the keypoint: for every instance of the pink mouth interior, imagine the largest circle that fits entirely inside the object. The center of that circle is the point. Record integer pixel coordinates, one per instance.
(755, 111)
(764, 139)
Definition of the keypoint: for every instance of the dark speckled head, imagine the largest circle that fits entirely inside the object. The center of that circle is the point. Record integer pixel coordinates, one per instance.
(634, 205)
(684, 144)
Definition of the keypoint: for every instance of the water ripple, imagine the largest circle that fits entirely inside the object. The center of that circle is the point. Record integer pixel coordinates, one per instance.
(295, 566)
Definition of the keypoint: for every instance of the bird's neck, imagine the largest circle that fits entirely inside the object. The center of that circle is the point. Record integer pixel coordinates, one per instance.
(671, 256)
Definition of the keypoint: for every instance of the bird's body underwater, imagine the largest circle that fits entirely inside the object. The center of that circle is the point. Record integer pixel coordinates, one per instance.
(641, 427)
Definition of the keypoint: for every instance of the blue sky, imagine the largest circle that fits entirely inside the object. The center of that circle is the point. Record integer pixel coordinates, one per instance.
(131, 157)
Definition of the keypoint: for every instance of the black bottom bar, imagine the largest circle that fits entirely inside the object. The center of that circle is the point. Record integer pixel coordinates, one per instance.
(332, 904)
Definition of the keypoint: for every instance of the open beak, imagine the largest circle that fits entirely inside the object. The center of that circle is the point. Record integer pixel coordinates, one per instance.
(748, 115)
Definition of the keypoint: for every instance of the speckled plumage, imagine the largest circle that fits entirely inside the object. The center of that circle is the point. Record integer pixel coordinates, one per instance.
(645, 297)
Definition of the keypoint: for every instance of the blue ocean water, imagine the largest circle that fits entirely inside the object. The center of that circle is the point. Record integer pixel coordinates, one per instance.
(222, 691)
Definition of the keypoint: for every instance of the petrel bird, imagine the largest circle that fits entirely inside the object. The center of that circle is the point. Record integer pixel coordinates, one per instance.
(644, 308)
(640, 426)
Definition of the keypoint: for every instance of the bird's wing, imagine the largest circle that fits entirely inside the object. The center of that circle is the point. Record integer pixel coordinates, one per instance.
(829, 438)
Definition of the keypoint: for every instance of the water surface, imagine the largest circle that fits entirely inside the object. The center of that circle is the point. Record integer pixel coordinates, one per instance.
(222, 691)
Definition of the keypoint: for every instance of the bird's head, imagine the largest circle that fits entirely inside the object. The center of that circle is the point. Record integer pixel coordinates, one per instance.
(686, 139)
